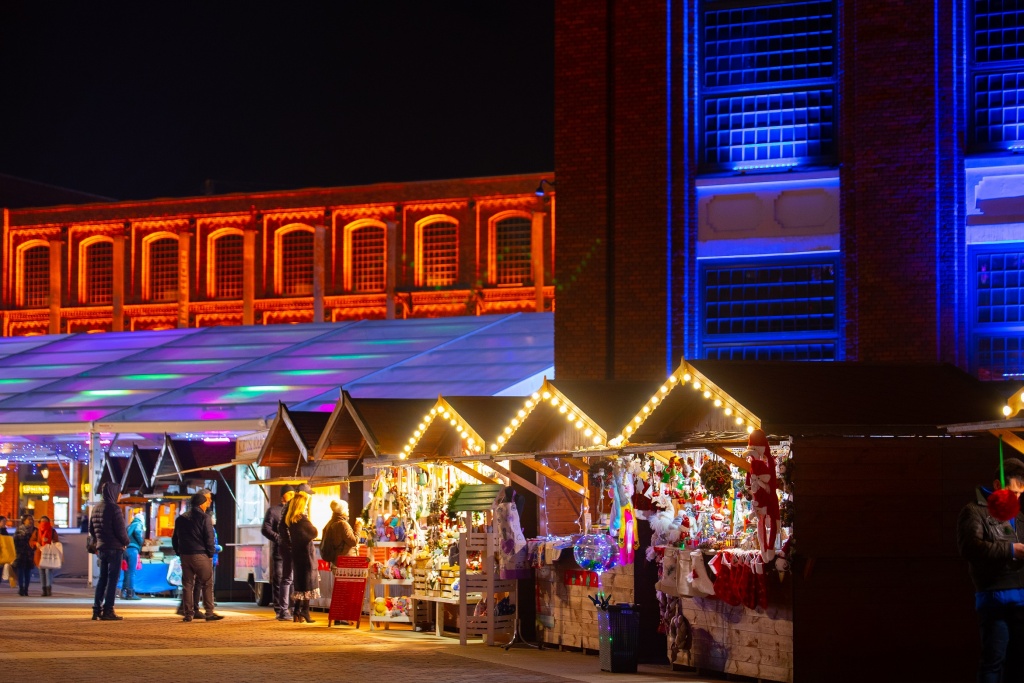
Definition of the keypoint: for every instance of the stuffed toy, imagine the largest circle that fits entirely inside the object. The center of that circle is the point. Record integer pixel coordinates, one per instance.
(380, 608)
(400, 606)
(763, 484)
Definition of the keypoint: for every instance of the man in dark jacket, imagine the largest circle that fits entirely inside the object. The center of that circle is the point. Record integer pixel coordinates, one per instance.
(194, 542)
(280, 555)
(106, 525)
(994, 551)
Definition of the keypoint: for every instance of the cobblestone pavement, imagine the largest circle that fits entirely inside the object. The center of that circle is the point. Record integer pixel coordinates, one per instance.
(55, 639)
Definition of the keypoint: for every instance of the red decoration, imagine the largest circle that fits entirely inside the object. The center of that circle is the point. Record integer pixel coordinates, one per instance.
(1004, 505)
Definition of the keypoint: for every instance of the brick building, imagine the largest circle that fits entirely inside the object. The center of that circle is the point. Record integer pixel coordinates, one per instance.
(422, 249)
(795, 179)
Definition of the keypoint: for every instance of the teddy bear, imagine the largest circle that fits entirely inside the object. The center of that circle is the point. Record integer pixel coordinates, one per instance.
(763, 483)
(380, 608)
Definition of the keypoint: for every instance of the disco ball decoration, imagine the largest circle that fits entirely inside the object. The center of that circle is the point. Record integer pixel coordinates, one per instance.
(595, 552)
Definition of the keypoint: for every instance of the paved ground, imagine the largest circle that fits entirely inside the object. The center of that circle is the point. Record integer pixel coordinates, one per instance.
(54, 639)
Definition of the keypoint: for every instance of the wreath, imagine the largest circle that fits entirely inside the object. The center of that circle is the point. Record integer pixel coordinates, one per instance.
(716, 477)
(449, 510)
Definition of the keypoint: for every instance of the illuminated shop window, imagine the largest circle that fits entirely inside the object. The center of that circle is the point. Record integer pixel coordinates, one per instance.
(767, 84)
(512, 251)
(163, 269)
(367, 255)
(997, 290)
(227, 267)
(780, 310)
(35, 277)
(99, 273)
(438, 262)
(997, 79)
(296, 265)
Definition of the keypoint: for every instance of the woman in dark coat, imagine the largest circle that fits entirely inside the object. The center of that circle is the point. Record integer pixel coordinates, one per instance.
(25, 553)
(305, 575)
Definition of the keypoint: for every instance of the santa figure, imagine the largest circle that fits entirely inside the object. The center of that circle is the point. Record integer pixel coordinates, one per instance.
(763, 482)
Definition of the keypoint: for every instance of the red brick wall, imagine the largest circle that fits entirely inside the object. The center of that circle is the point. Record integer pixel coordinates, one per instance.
(900, 233)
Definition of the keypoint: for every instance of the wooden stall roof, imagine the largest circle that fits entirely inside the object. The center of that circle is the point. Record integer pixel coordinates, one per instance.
(1009, 428)
(546, 427)
(387, 423)
(113, 470)
(481, 417)
(291, 438)
(341, 438)
(139, 470)
(855, 398)
(180, 457)
(476, 497)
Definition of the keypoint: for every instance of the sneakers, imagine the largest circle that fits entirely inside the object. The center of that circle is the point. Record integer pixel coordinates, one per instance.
(283, 616)
(214, 617)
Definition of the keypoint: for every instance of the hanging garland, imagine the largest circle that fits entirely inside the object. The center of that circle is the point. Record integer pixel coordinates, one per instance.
(716, 477)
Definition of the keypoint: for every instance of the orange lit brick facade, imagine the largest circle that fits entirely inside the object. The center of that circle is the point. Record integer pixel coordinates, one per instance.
(423, 249)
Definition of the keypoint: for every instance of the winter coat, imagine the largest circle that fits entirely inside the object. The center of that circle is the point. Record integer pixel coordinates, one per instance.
(106, 523)
(273, 529)
(193, 534)
(305, 576)
(987, 545)
(23, 544)
(136, 533)
(337, 539)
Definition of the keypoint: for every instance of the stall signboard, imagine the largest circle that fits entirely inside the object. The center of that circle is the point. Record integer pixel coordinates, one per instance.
(35, 489)
(252, 559)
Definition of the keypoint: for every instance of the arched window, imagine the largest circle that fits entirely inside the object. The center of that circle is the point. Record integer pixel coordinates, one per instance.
(160, 254)
(226, 271)
(295, 261)
(365, 249)
(96, 284)
(512, 255)
(34, 269)
(437, 252)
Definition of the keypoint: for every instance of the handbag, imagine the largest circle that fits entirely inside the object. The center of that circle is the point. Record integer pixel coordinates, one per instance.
(90, 544)
(7, 553)
(51, 556)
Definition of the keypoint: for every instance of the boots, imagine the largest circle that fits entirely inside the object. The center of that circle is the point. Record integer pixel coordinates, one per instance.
(47, 591)
(96, 611)
(297, 612)
(305, 612)
(110, 616)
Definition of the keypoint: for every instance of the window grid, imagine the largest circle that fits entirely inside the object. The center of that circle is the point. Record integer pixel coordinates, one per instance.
(35, 277)
(367, 261)
(768, 127)
(999, 357)
(768, 44)
(99, 273)
(776, 300)
(999, 107)
(163, 270)
(998, 31)
(228, 270)
(440, 254)
(1000, 286)
(787, 352)
(513, 251)
(297, 263)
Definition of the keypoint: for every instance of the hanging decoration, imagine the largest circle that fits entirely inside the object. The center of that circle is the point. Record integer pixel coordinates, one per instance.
(716, 477)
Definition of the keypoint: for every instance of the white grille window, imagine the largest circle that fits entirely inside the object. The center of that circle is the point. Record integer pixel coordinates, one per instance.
(297, 263)
(440, 254)
(163, 270)
(512, 251)
(367, 259)
(227, 267)
(35, 277)
(99, 273)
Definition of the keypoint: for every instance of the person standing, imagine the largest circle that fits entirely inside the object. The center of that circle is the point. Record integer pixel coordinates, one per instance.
(106, 525)
(136, 539)
(301, 534)
(280, 554)
(194, 543)
(338, 539)
(24, 554)
(44, 535)
(994, 551)
(5, 568)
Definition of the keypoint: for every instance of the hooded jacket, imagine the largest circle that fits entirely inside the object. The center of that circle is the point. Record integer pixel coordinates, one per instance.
(106, 523)
(137, 532)
(337, 539)
(193, 533)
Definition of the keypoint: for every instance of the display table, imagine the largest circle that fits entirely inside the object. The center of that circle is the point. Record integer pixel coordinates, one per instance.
(440, 602)
(152, 578)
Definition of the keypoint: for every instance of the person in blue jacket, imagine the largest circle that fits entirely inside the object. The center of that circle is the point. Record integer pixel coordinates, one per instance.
(136, 539)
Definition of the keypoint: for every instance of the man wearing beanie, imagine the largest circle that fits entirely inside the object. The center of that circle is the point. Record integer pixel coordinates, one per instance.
(994, 550)
(194, 542)
(280, 554)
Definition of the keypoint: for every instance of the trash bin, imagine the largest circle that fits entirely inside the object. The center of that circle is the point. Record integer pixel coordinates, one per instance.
(618, 637)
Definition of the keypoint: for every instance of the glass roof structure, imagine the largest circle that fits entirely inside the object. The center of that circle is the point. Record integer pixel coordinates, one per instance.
(230, 379)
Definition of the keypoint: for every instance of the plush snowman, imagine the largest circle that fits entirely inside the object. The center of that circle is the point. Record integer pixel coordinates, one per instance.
(763, 483)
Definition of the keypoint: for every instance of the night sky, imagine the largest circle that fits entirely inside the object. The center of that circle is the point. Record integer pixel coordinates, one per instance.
(151, 99)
